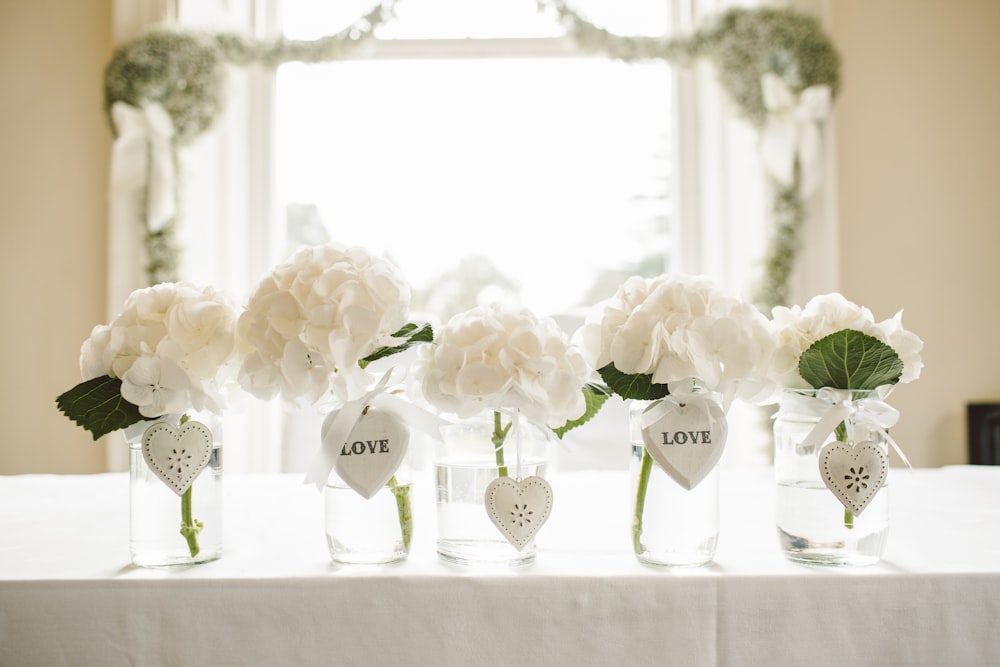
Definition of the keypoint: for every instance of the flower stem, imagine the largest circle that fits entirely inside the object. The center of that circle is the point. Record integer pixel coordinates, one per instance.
(499, 435)
(403, 509)
(841, 434)
(640, 500)
(189, 526)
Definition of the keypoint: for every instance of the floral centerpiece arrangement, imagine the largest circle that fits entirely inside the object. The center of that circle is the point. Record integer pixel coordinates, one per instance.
(170, 351)
(522, 374)
(682, 339)
(308, 334)
(833, 360)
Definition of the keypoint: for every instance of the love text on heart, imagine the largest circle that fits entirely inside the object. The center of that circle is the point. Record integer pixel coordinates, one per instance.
(687, 437)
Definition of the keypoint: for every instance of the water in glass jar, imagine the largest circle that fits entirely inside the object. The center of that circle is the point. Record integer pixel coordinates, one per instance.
(365, 530)
(466, 534)
(811, 526)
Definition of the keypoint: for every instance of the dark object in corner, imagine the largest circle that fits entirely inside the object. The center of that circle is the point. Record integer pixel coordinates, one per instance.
(984, 433)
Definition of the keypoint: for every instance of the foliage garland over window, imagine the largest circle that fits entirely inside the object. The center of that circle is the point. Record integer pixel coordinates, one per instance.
(184, 71)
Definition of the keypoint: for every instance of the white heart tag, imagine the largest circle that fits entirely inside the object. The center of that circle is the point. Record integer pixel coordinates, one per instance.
(685, 436)
(177, 455)
(372, 452)
(519, 508)
(854, 474)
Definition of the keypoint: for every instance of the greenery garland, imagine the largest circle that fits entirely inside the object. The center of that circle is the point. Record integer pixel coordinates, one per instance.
(185, 72)
(743, 44)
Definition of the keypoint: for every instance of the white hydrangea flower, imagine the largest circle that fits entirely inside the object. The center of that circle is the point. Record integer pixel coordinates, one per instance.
(490, 358)
(172, 346)
(674, 327)
(795, 328)
(312, 319)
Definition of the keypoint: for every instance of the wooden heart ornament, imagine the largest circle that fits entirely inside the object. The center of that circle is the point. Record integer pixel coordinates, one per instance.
(177, 455)
(685, 436)
(372, 452)
(854, 474)
(519, 507)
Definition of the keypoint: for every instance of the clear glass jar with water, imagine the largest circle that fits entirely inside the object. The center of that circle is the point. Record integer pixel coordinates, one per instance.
(813, 525)
(465, 462)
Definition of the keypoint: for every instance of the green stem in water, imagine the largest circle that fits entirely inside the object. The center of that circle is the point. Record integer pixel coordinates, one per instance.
(499, 435)
(404, 509)
(640, 500)
(840, 432)
(189, 526)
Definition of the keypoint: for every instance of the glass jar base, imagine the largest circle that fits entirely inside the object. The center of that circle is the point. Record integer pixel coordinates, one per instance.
(679, 559)
(484, 552)
(155, 561)
(672, 562)
(341, 554)
(833, 554)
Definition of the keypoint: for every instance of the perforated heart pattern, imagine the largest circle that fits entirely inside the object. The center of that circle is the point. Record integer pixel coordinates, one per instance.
(177, 455)
(519, 508)
(854, 474)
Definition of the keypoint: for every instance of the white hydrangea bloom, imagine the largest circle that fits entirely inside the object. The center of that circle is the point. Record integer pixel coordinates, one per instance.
(172, 346)
(796, 328)
(490, 358)
(312, 319)
(674, 327)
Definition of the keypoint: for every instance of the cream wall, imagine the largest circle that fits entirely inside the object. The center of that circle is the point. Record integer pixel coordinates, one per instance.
(918, 187)
(918, 182)
(54, 144)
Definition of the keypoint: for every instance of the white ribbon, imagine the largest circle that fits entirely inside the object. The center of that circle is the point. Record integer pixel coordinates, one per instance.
(338, 426)
(837, 405)
(793, 131)
(685, 392)
(141, 160)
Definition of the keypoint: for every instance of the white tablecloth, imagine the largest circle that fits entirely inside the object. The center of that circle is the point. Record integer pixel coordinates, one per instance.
(68, 595)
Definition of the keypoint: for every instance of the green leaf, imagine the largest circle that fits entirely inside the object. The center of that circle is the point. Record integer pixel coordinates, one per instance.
(97, 405)
(595, 396)
(640, 386)
(849, 359)
(413, 333)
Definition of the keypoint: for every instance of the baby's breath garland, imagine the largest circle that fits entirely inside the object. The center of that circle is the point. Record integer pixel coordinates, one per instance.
(185, 72)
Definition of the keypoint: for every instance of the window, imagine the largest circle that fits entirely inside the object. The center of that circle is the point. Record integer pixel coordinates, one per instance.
(477, 147)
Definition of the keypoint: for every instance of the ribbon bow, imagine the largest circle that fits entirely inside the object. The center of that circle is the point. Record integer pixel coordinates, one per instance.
(686, 392)
(792, 131)
(142, 159)
(338, 426)
(839, 404)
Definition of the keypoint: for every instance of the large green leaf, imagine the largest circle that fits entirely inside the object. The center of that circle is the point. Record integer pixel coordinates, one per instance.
(634, 385)
(413, 333)
(849, 359)
(97, 405)
(595, 396)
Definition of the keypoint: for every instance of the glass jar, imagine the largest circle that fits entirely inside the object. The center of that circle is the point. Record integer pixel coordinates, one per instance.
(813, 525)
(370, 530)
(167, 528)
(465, 462)
(671, 525)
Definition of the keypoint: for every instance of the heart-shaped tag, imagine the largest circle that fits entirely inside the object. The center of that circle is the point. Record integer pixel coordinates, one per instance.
(685, 436)
(372, 452)
(177, 455)
(519, 508)
(853, 474)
